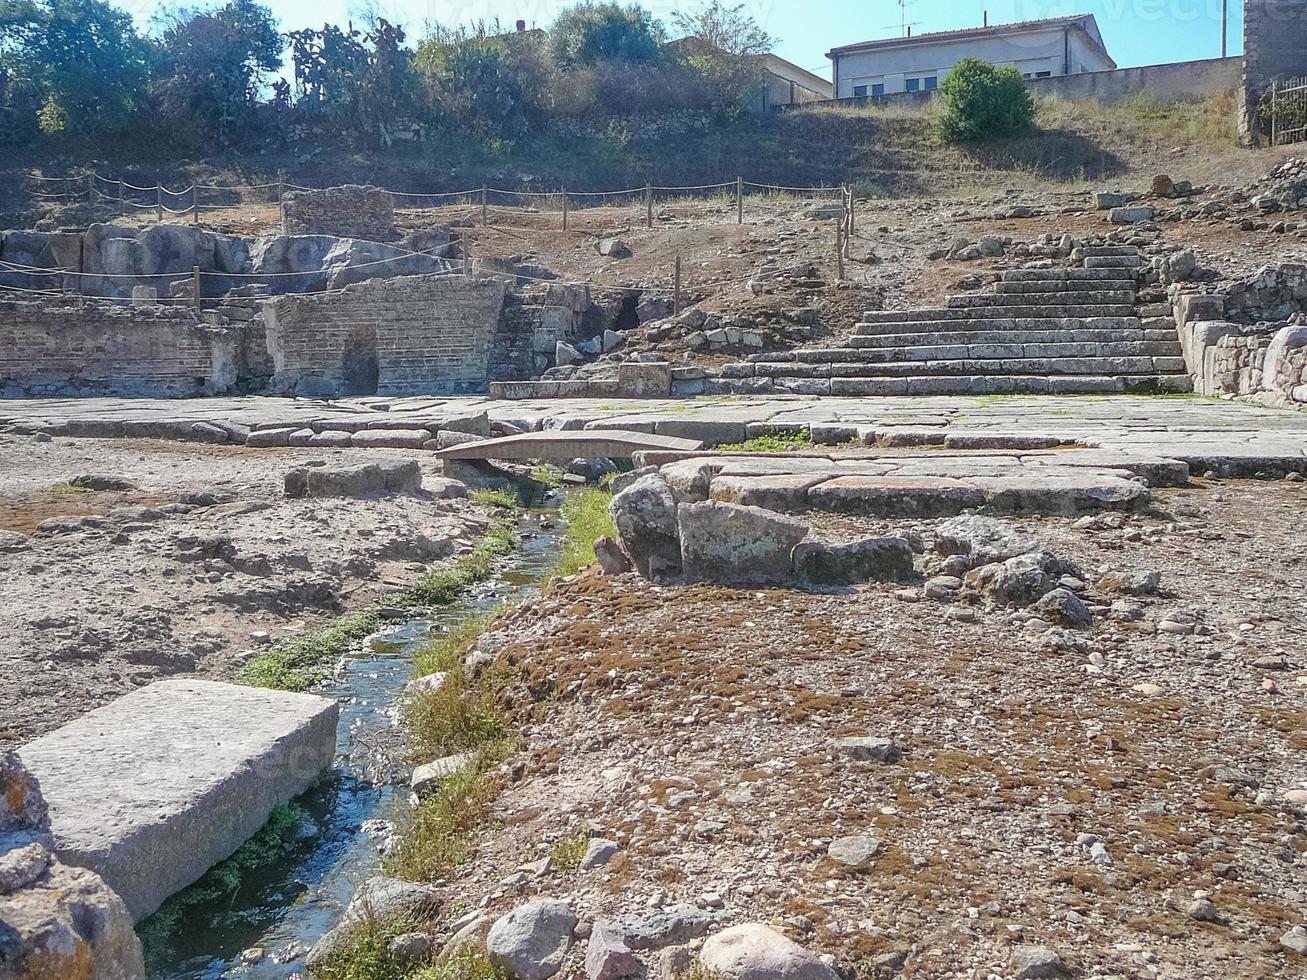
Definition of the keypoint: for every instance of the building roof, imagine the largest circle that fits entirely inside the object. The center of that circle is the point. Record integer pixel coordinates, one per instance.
(1083, 22)
(780, 67)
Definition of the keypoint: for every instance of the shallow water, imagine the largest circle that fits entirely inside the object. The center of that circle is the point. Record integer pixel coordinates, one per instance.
(288, 907)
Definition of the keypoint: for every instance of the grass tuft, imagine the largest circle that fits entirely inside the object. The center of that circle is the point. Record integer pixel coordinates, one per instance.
(367, 955)
(586, 514)
(776, 442)
(466, 964)
(67, 489)
(502, 499)
(566, 855)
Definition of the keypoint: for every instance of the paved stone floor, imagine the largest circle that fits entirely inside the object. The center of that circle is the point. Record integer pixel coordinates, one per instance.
(1231, 437)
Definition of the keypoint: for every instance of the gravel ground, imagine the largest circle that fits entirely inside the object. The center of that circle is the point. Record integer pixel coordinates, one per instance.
(192, 568)
(1084, 791)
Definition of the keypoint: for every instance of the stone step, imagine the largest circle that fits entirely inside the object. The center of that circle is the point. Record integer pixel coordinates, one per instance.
(1114, 262)
(1066, 275)
(941, 349)
(1007, 313)
(949, 337)
(962, 365)
(1099, 251)
(1044, 286)
(1074, 300)
(984, 385)
(989, 324)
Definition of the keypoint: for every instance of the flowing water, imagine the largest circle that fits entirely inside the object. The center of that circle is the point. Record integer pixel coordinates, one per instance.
(285, 908)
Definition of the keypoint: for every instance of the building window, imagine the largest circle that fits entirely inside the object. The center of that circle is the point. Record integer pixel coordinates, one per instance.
(878, 88)
(914, 84)
(932, 83)
(859, 91)
(1043, 74)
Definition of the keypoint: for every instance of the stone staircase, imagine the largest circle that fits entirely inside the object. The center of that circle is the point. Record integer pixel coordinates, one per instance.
(1041, 331)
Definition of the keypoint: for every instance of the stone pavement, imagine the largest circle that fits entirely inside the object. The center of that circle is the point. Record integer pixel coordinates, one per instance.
(1233, 438)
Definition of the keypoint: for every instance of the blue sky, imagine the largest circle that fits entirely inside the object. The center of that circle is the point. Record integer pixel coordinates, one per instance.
(1137, 32)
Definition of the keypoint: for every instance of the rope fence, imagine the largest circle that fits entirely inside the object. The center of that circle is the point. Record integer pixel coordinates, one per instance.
(475, 203)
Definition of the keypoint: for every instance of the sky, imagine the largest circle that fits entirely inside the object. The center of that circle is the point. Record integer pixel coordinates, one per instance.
(1137, 32)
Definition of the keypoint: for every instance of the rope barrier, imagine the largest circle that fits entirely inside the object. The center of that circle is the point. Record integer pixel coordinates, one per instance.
(699, 187)
(801, 190)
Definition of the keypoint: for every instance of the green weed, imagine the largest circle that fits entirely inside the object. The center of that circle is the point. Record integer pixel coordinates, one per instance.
(586, 514)
(566, 855)
(776, 442)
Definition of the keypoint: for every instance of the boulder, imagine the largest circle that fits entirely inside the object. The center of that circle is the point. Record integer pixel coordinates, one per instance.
(855, 851)
(610, 556)
(982, 539)
(1131, 583)
(1065, 608)
(669, 926)
(377, 899)
(737, 544)
(867, 560)
(608, 957)
(598, 853)
(1019, 581)
(55, 920)
(613, 248)
(756, 952)
(1037, 963)
(530, 942)
(866, 748)
(426, 779)
(645, 516)
(1132, 215)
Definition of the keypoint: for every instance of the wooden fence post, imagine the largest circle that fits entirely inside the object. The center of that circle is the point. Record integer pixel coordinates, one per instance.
(158, 203)
(195, 202)
(676, 288)
(739, 200)
(485, 209)
(839, 249)
(90, 186)
(281, 202)
(121, 208)
(195, 285)
(1275, 114)
(648, 205)
(564, 209)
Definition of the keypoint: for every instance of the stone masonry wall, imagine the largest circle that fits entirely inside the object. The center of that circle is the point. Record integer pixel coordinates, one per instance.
(410, 335)
(1275, 48)
(100, 348)
(349, 211)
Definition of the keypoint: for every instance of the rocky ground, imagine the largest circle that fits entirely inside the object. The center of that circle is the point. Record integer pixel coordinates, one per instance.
(1027, 794)
(187, 561)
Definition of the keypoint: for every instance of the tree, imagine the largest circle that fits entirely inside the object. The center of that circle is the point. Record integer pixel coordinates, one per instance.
(216, 62)
(724, 45)
(476, 75)
(594, 32)
(979, 100)
(84, 61)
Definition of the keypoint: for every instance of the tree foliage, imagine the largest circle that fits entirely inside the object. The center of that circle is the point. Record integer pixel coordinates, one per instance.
(214, 64)
(591, 32)
(724, 45)
(80, 61)
(979, 100)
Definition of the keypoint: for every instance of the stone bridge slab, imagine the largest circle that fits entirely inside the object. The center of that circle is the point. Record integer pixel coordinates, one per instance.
(155, 788)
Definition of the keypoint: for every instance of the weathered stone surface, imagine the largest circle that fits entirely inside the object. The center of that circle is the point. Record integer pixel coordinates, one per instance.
(669, 926)
(644, 380)
(1018, 581)
(646, 520)
(877, 496)
(55, 921)
(427, 778)
(1131, 582)
(868, 560)
(1065, 608)
(855, 851)
(784, 492)
(377, 899)
(608, 957)
(982, 539)
(1037, 963)
(530, 942)
(730, 543)
(360, 482)
(866, 748)
(598, 853)
(155, 788)
(756, 952)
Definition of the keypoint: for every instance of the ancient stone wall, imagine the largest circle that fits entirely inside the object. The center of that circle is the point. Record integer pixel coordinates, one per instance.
(349, 211)
(1271, 294)
(1275, 48)
(100, 348)
(412, 335)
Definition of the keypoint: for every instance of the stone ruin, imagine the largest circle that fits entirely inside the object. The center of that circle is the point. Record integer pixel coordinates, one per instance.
(349, 211)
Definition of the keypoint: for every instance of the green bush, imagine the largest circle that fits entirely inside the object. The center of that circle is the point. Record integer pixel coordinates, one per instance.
(979, 100)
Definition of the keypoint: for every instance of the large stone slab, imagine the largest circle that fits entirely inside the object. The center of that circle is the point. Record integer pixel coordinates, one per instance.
(155, 788)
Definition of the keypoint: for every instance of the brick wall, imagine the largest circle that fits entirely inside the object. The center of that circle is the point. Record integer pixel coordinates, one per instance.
(98, 348)
(410, 335)
(1275, 47)
(350, 211)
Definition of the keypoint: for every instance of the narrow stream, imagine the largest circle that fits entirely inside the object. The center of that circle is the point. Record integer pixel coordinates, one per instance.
(288, 907)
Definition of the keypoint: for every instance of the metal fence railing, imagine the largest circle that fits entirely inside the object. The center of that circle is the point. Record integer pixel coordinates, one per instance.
(1288, 111)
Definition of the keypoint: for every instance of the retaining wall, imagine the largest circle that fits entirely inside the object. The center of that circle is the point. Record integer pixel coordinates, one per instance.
(1166, 83)
(50, 350)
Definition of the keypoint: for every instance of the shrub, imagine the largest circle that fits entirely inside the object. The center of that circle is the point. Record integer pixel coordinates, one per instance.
(979, 100)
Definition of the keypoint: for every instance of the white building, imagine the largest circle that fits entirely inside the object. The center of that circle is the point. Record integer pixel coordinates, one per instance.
(1036, 48)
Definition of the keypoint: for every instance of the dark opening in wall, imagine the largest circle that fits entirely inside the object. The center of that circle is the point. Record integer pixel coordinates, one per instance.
(359, 365)
(627, 318)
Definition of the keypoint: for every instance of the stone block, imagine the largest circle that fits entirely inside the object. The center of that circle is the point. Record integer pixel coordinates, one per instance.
(734, 544)
(391, 438)
(895, 496)
(152, 790)
(644, 380)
